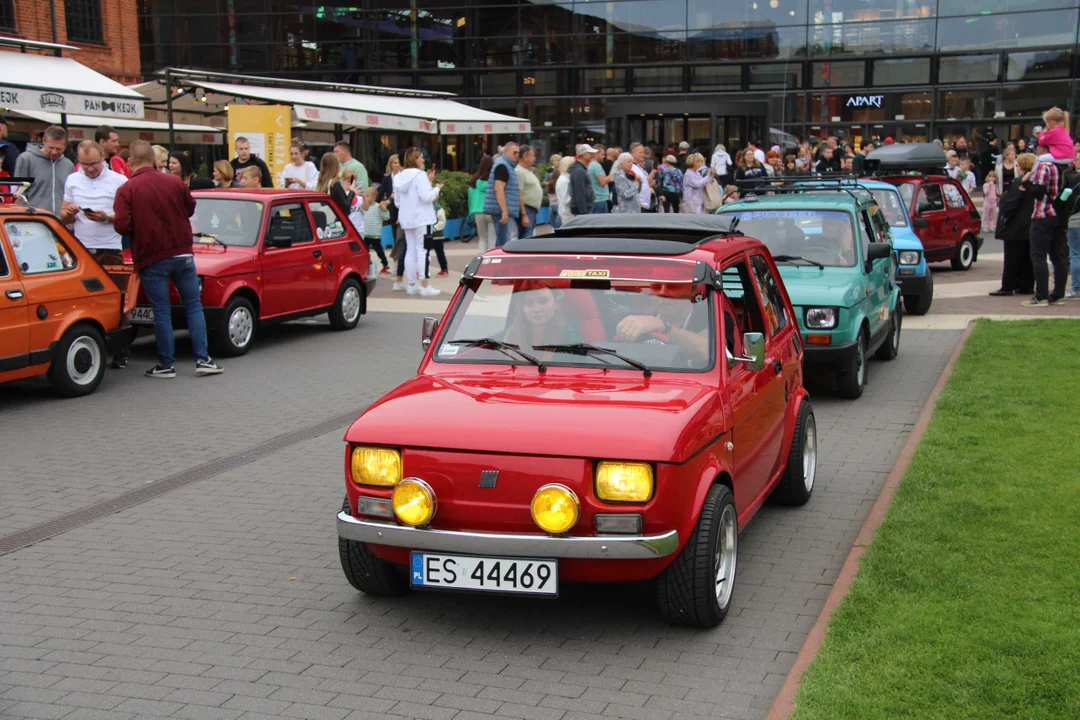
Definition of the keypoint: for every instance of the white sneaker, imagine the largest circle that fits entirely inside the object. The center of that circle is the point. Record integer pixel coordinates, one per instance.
(399, 287)
(413, 289)
(429, 291)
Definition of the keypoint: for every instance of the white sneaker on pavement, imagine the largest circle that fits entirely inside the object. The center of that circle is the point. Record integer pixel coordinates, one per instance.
(413, 289)
(429, 291)
(1071, 294)
(399, 287)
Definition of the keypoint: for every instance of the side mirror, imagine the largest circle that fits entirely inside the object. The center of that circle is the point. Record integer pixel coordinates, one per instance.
(279, 241)
(877, 251)
(921, 222)
(753, 351)
(427, 331)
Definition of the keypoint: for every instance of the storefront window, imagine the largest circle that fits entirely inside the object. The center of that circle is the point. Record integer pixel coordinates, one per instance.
(867, 107)
(959, 104)
(840, 74)
(602, 81)
(544, 82)
(443, 82)
(715, 77)
(640, 16)
(663, 48)
(986, 7)
(496, 83)
(747, 43)
(909, 71)
(837, 11)
(658, 79)
(788, 108)
(735, 13)
(1032, 29)
(914, 106)
(775, 76)
(1033, 99)
(969, 68)
(1038, 65)
(874, 38)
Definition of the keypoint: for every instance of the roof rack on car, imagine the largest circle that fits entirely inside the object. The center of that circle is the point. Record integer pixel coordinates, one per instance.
(846, 183)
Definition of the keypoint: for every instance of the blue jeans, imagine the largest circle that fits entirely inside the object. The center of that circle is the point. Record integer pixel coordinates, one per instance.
(1074, 258)
(599, 208)
(556, 219)
(155, 281)
(524, 232)
(502, 232)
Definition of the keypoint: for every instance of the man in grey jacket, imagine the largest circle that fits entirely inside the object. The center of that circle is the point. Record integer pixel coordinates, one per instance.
(581, 191)
(49, 169)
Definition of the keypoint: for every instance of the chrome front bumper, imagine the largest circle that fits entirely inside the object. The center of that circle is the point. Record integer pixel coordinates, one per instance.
(617, 547)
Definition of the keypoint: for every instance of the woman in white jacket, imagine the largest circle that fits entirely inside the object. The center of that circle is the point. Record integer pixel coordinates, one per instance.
(415, 199)
(562, 188)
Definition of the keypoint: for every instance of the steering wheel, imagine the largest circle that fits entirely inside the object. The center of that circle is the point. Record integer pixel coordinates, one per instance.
(654, 338)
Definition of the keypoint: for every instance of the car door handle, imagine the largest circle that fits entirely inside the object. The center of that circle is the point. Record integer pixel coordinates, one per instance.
(14, 294)
(778, 366)
(317, 253)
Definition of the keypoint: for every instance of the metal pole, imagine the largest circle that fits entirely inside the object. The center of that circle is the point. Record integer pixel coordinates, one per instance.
(52, 15)
(168, 109)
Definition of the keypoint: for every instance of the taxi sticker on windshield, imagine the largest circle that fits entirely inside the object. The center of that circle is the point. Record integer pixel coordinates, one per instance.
(778, 213)
(585, 273)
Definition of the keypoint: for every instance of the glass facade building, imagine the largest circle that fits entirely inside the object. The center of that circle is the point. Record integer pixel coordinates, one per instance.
(662, 71)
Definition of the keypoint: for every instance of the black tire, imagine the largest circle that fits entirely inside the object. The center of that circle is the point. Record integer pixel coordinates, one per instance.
(78, 362)
(797, 483)
(851, 383)
(891, 347)
(686, 592)
(920, 304)
(236, 333)
(366, 572)
(964, 257)
(348, 305)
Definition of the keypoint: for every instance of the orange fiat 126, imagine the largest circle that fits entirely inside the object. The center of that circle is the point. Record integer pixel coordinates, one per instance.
(624, 396)
(61, 313)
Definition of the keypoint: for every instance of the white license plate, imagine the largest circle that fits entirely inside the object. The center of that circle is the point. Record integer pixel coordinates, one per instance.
(527, 576)
(142, 315)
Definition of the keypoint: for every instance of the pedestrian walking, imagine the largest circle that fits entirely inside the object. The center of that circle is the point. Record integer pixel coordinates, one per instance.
(244, 159)
(224, 175)
(485, 224)
(155, 210)
(502, 199)
(532, 194)
(343, 152)
(627, 186)
(694, 184)
(48, 168)
(9, 154)
(1014, 228)
(299, 174)
(1048, 234)
(415, 197)
(581, 190)
(562, 188)
(375, 216)
(721, 164)
(438, 244)
(180, 166)
(990, 203)
(669, 179)
(386, 192)
(600, 181)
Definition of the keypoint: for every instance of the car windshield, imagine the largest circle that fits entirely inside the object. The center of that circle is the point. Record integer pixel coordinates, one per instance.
(826, 237)
(582, 323)
(907, 191)
(889, 202)
(227, 221)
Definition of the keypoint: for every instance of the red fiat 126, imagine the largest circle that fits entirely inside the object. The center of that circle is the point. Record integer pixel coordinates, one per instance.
(611, 403)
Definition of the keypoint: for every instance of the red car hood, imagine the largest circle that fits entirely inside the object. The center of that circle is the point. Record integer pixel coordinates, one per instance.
(593, 416)
(218, 261)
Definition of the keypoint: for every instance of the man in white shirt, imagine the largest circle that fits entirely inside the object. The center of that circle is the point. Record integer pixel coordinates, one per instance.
(759, 154)
(645, 196)
(89, 193)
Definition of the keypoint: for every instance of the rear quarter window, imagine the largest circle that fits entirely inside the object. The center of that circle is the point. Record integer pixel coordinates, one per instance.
(954, 199)
(37, 249)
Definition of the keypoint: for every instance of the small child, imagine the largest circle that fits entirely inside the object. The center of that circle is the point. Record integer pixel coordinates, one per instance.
(437, 243)
(990, 203)
(359, 203)
(953, 167)
(374, 217)
(965, 175)
(1055, 138)
(731, 193)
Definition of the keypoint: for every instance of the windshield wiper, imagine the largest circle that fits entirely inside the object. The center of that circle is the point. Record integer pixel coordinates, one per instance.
(208, 235)
(508, 349)
(587, 349)
(796, 258)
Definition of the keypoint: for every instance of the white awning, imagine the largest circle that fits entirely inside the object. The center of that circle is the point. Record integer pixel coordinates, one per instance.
(62, 85)
(356, 106)
(81, 127)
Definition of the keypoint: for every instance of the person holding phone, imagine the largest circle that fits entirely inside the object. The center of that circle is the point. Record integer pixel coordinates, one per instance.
(299, 174)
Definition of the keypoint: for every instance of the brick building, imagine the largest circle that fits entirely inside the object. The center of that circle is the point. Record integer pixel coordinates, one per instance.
(105, 31)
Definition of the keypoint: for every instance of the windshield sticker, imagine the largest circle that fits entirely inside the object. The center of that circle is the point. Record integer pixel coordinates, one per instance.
(448, 350)
(585, 273)
(777, 213)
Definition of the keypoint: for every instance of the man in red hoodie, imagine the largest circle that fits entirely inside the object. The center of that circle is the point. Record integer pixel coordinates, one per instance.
(154, 209)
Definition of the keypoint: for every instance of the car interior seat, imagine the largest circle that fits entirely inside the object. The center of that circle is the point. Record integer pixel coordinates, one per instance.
(579, 305)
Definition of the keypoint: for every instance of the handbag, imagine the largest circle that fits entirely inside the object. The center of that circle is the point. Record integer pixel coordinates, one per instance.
(713, 197)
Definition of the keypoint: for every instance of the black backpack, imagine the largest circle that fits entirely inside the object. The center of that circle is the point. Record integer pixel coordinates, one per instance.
(1070, 185)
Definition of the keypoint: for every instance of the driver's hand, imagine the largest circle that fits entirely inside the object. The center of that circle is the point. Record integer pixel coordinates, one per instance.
(632, 327)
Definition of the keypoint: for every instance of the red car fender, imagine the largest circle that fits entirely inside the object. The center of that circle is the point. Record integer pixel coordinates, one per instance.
(715, 462)
(222, 289)
(794, 406)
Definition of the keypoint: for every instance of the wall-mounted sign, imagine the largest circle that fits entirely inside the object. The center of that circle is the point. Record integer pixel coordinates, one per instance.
(864, 101)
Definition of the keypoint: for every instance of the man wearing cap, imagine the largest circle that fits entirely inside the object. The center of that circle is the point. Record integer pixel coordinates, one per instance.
(582, 198)
(684, 152)
(9, 154)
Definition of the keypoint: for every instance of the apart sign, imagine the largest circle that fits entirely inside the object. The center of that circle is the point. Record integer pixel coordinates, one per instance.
(71, 103)
(864, 101)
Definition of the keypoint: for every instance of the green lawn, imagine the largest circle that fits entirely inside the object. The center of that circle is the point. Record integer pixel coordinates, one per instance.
(967, 603)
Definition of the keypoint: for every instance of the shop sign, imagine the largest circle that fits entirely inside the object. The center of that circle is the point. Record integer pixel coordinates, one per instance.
(864, 101)
(70, 102)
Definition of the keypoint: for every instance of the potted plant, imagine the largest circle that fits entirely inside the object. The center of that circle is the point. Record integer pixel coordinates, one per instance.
(454, 198)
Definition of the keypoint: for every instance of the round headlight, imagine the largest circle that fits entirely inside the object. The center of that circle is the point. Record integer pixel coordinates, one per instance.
(909, 257)
(413, 501)
(555, 508)
(821, 318)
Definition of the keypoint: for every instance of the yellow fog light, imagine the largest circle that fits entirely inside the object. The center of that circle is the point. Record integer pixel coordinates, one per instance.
(376, 466)
(555, 508)
(413, 501)
(624, 482)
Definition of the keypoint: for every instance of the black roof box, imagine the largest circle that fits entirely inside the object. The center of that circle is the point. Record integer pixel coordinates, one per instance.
(906, 156)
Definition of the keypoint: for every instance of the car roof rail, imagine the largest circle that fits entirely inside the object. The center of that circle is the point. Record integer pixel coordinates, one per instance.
(798, 184)
(637, 233)
(21, 184)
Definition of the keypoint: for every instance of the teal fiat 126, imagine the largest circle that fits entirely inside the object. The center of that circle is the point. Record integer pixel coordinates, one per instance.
(833, 246)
